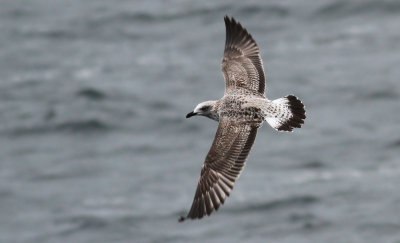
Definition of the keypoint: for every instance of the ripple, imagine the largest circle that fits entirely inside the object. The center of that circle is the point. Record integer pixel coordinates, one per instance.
(314, 164)
(341, 8)
(159, 105)
(290, 202)
(332, 8)
(91, 94)
(148, 17)
(56, 34)
(82, 222)
(381, 228)
(307, 221)
(74, 173)
(274, 10)
(84, 126)
(382, 95)
(295, 217)
(5, 193)
(394, 144)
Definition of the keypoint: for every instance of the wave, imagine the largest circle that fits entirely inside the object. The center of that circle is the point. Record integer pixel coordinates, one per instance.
(70, 174)
(92, 25)
(343, 8)
(91, 94)
(125, 16)
(301, 217)
(394, 144)
(390, 94)
(381, 228)
(83, 222)
(270, 10)
(290, 202)
(221, 10)
(90, 125)
(4, 193)
(57, 34)
(314, 164)
(159, 105)
(81, 126)
(308, 221)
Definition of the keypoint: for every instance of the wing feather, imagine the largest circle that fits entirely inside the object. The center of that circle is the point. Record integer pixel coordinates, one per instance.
(223, 165)
(242, 65)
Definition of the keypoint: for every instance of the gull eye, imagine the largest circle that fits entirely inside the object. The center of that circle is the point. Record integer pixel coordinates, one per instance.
(205, 108)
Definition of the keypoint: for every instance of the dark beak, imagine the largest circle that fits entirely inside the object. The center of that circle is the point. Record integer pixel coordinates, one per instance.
(190, 114)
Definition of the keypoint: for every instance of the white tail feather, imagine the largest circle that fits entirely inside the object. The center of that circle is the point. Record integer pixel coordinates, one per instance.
(288, 113)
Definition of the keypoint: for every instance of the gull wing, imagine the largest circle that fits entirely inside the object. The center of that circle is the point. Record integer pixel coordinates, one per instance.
(222, 166)
(242, 65)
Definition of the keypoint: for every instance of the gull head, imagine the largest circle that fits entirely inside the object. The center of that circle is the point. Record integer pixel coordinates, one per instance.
(206, 108)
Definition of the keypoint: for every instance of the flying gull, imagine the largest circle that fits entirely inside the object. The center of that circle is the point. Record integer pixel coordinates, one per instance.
(240, 112)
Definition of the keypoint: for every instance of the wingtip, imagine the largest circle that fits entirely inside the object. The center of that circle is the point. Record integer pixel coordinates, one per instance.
(229, 19)
(181, 219)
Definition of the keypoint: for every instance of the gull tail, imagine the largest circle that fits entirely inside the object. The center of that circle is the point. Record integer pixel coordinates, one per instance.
(288, 113)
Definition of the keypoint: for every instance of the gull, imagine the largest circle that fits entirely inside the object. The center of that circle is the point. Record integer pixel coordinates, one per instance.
(240, 112)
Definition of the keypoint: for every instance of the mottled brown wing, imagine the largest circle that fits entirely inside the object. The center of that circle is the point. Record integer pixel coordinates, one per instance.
(242, 65)
(223, 164)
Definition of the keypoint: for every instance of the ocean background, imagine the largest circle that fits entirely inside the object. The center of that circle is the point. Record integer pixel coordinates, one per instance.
(95, 147)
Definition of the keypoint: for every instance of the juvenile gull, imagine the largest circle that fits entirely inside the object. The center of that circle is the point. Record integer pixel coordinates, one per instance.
(240, 112)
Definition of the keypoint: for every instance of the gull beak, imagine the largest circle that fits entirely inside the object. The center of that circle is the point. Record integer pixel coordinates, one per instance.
(190, 114)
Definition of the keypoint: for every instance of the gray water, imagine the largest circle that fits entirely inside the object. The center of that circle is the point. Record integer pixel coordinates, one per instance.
(95, 147)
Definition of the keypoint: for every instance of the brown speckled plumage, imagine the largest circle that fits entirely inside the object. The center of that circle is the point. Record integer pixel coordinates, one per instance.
(240, 112)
